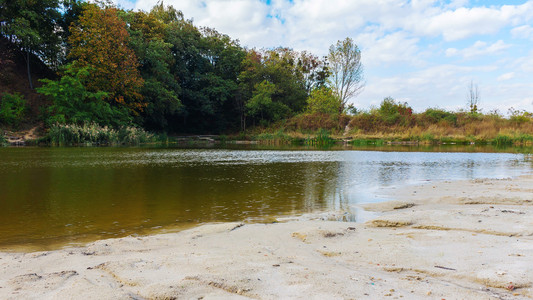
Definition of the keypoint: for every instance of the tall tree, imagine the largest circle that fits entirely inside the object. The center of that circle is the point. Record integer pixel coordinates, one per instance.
(346, 70)
(473, 97)
(32, 26)
(315, 70)
(99, 40)
(161, 88)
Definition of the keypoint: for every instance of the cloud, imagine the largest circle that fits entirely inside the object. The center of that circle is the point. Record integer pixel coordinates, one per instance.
(479, 48)
(506, 76)
(524, 32)
(397, 47)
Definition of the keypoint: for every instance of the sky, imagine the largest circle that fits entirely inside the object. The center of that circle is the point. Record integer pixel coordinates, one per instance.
(423, 52)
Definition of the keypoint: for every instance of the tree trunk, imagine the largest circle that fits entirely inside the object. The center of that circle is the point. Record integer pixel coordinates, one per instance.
(28, 67)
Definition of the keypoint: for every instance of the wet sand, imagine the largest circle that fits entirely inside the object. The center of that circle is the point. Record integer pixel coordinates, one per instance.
(440, 240)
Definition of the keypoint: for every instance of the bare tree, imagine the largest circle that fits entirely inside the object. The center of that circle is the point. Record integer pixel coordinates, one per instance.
(473, 97)
(346, 70)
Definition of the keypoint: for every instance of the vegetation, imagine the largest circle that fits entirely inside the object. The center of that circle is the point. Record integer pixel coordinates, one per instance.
(93, 134)
(12, 109)
(119, 73)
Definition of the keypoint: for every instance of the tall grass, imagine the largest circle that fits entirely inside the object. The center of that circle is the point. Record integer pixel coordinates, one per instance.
(93, 134)
(277, 138)
(321, 138)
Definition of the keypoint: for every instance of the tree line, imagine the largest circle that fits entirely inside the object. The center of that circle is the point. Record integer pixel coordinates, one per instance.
(159, 71)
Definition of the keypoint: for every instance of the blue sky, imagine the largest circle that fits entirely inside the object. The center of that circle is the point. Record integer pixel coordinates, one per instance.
(424, 52)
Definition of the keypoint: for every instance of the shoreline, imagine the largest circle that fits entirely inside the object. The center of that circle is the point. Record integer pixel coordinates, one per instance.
(439, 240)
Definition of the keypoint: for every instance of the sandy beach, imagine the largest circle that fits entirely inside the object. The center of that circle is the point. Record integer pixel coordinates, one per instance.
(439, 240)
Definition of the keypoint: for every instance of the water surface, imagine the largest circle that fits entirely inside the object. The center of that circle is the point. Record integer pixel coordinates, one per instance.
(50, 197)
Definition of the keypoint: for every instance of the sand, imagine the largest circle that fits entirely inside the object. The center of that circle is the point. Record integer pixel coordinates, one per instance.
(439, 240)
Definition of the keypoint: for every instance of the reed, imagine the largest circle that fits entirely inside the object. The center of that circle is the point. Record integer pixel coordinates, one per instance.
(92, 134)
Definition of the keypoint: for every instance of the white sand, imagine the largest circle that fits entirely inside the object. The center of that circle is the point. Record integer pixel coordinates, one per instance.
(449, 240)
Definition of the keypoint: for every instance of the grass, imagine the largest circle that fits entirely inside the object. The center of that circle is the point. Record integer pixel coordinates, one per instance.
(94, 135)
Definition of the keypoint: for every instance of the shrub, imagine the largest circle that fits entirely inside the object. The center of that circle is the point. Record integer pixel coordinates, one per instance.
(12, 109)
(435, 115)
(519, 116)
(316, 121)
(392, 112)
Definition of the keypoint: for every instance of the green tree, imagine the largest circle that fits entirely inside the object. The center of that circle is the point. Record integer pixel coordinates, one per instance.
(32, 26)
(99, 40)
(72, 102)
(262, 106)
(322, 100)
(282, 69)
(161, 88)
(346, 70)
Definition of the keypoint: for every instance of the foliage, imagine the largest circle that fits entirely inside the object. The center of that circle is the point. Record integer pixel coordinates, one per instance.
(161, 89)
(312, 122)
(519, 116)
(12, 109)
(31, 25)
(392, 112)
(262, 105)
(435, 115)
(346, 70)
(322, 100)
(99, 40)
(73, 103)
(93, 134)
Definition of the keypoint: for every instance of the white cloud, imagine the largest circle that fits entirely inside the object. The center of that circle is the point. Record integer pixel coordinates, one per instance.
(479, 48)
(506, 76)
(391, 48)
(524, 32)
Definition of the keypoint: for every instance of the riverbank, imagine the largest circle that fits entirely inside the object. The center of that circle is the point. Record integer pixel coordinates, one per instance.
(446, 240)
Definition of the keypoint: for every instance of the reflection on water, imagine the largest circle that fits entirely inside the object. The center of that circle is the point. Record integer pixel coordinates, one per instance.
(51, 196)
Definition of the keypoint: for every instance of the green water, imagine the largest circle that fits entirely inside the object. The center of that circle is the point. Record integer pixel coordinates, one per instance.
(51, 197)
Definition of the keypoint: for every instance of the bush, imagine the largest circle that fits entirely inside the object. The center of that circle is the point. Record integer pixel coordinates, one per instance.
(392, 112)
(435, 115)
(366, 121)
(12, 109)
(316, 121)
(519, 116)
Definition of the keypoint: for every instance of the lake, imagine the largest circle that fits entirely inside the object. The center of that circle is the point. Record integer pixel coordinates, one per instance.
(52, 197)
